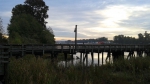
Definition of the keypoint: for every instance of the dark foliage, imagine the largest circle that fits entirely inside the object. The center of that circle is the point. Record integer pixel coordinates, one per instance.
(28, 25)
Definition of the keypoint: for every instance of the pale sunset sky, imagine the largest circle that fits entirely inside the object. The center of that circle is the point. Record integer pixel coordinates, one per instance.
(95, 18)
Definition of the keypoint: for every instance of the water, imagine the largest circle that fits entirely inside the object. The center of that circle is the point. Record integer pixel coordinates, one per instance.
(95, 59)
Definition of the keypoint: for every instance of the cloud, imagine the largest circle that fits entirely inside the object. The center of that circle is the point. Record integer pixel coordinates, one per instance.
(109, 21)
(140, 18)
(124, 19)
(95, 18)
(6, 14)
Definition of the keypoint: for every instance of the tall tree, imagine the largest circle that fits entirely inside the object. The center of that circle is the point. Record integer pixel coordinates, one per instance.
(39, 10)
(140, 38)
(36, 8)
(26, 29)
(21, 9)
(28, 25)
(147, 37)
(50, 30)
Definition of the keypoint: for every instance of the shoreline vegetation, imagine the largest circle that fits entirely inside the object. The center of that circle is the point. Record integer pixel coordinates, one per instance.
(32, 70)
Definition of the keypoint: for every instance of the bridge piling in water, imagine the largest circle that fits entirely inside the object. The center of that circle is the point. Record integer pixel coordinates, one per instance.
(86, 59)
(81, 57)
(117, 55)
(65, 56)
(102, 57)
(108, 56)
(72, 58)
(131, 55)
(98, 58)
(92, 56)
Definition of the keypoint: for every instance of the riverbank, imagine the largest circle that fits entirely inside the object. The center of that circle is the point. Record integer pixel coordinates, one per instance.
(30, 70)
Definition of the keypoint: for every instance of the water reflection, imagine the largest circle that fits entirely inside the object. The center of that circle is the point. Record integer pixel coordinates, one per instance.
(78, 59)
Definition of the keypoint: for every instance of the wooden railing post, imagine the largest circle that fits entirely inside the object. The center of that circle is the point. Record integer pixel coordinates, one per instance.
(61, 48)
(32, 49)
(22, 50)
(43, 49)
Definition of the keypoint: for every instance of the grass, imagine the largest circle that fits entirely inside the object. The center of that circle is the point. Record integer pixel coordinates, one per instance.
(30, 70)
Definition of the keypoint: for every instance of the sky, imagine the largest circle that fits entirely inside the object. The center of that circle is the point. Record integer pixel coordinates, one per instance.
(94, 18)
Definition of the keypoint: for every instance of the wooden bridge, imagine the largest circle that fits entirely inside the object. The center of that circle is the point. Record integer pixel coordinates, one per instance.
(9, 50)
(70, 48)
(117, 50)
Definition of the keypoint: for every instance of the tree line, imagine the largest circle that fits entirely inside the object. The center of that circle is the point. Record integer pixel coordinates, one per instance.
(81, 41)
(142, 39)
(118, 39)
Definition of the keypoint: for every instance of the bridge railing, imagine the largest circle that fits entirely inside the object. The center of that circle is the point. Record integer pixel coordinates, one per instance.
(62, 47)
(113, 47)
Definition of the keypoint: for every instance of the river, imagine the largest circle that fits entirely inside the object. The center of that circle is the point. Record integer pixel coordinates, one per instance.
(95, 59)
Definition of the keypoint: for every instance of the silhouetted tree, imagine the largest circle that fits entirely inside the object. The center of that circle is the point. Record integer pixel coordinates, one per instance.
(39, 10)
(102, 39)
(28, 25)
(147, 37)
(121, 39)
(50, 30)
(36, 8)
(26, 29)
(140, 38)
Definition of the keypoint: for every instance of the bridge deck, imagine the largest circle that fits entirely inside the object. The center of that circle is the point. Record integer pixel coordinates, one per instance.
(71, 48)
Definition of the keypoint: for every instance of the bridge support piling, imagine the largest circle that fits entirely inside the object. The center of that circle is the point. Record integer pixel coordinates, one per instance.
(55, 55)
(147, 52)
(32, 50)
(72, 58)
(86, 59)
(65, 56)
(92, 58)
(80, 57)
(22, 52)
(98, 58)
(131, 55)
(52, 56)
(108, 56)
(139, 53)
(117, 55)
(122, 55)
(43, 50)
(102, 57)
